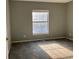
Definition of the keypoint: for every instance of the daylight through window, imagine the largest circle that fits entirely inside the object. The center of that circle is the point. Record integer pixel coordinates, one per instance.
(40, 21)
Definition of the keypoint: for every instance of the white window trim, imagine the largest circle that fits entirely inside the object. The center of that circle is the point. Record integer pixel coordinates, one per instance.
(41, 21)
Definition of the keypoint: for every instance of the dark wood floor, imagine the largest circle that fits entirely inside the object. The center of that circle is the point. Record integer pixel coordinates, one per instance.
(54, 49)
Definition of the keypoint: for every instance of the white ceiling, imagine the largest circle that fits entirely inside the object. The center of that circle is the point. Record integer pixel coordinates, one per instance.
(53, 1)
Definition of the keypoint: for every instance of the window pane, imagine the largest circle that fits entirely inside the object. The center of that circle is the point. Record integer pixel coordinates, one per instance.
(40, 28)
(40, 21)
(40, 16)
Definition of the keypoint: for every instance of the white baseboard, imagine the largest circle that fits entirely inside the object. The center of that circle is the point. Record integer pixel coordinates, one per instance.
(69, 38)
(39, 39)
(25, 41)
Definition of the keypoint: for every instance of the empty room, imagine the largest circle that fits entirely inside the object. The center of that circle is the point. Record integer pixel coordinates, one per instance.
(39, 29)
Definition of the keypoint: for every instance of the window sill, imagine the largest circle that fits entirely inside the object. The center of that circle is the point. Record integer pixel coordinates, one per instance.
(40, 34)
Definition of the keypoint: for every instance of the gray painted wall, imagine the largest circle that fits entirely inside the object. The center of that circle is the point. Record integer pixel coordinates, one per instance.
(21, 19)
(8, 26)
(70, 19)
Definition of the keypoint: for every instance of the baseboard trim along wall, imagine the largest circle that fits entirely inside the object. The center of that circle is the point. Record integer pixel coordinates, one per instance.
(69, 38)
(50, 38)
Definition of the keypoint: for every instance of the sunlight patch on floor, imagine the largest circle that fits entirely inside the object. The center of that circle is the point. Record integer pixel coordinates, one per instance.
(57, 51)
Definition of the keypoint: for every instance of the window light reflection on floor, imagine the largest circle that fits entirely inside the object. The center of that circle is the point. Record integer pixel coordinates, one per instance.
(56, 51)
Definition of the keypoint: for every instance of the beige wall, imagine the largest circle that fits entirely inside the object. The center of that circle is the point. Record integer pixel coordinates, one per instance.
(21, 19)
(8, 25)
(70, 19)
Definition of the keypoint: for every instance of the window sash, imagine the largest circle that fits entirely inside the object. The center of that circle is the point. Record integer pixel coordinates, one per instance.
(41, 22)
(41, 28)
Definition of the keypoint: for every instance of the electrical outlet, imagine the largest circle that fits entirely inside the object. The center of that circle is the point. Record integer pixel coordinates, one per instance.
(69, 34)
(24, 36)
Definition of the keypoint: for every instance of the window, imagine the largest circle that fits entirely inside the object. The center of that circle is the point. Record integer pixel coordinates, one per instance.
(40, 21)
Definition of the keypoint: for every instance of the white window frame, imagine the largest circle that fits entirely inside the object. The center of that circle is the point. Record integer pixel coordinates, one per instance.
(40, 22)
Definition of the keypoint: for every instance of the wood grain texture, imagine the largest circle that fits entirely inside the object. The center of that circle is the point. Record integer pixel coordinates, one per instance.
(53, 49)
